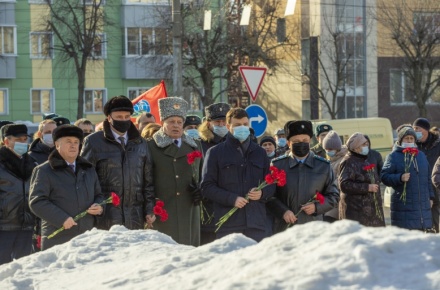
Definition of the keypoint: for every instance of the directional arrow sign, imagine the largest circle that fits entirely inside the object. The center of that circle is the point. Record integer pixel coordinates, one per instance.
(257, 118)
(253, 77)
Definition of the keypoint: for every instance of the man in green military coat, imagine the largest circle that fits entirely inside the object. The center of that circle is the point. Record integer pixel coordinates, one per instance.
(176, 182)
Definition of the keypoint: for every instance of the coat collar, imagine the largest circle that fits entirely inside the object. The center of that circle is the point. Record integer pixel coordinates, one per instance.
(308, 162)
(20, 167)
(163, 140)
(132, 133)
(38, 146)
(57, 162)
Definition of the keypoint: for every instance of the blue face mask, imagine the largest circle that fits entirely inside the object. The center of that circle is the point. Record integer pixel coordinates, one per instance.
(282, 142)
(220, 130)
(241, 133)
(365, 150)
(331, 153)
(271, 154)
(408, 145)
(193, 133)
(419, 135)
(20, 148)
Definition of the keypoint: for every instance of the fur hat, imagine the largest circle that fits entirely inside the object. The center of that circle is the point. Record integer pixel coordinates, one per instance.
(422, 123)
(67, 130)
(217, 111)
(405, 131)
(355, 141)
(172, 106)
(118, 103)
(332, 141)
(266, 139)
(61, 120)
(16, 130)
(293, 128)
(323, 128)
(192, 120)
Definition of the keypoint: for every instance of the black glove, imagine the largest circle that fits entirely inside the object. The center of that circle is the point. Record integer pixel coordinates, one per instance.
(196, 194)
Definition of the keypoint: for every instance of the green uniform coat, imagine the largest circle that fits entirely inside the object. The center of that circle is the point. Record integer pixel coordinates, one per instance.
(173, 177)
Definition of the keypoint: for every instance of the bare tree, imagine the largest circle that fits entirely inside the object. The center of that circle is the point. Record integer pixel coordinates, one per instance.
(414, 28)
(78, 28)
(212, 56)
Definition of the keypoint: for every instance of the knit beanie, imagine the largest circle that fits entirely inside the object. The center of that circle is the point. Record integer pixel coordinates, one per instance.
(422, 123)
(332, 141)
(355, 141)
(268, 139)
(405, 131)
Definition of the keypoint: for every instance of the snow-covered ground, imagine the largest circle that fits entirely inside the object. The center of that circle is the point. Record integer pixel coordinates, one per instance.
(343, 255)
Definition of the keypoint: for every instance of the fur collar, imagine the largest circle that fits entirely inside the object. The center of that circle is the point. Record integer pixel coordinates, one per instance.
(132, 133)
(20, 167)
(163, 140)
(57, 162)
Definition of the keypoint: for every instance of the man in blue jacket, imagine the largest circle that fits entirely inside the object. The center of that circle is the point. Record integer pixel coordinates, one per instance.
(231, 172)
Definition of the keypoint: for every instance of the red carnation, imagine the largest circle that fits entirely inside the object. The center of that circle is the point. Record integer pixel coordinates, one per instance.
(320, 198)
(281, 177)
(163, 217)
(160, 203)
(115, 199)
(157, 210)
(269, 179)
(191, 157)
(407, 150)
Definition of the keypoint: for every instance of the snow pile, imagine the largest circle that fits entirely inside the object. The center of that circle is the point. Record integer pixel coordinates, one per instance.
(343, 255)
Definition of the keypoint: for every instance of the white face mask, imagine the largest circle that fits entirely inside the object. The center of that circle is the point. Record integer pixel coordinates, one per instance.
(408, 145)
(48, 140)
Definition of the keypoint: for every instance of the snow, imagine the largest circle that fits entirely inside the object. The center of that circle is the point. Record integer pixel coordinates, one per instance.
(342, 255)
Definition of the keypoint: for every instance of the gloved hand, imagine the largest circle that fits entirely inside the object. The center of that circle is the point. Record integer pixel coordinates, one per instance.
(196, 194)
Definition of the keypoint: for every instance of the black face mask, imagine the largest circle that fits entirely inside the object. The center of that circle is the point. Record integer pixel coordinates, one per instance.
(300, 149)
(121, 126)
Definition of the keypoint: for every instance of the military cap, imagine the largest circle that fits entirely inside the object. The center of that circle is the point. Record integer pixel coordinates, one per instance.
(172, 106)
(192, 120)
(16, 130)
(279, 131)
(61, 121)
(323, 128)
(217, 111)
(298, 127)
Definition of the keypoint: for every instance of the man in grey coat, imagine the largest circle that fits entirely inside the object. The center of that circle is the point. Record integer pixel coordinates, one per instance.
(63, 187)
(306, 174)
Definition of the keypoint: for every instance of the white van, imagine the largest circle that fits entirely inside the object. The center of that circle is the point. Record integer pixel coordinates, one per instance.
(379, 131)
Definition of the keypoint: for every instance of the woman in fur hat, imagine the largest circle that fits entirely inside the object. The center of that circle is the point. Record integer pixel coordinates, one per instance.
(360, 193)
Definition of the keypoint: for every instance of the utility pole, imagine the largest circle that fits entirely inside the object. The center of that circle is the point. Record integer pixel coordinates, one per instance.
(177, 49)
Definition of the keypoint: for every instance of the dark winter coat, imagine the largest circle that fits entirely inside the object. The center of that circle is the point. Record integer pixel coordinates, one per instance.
(228, 174)
(39, 151)
(57, 194)
(208, 140)
(15, 175)
(318, 150)
(335, 161)
(431, 148)
(415, 213)
(357, 203)
(375, 158)
(436, 175)
(127, 173)
(174, 183)
(280, 151)
(303, 181)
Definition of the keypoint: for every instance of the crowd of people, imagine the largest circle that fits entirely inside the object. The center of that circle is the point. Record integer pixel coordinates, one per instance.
(200, 170)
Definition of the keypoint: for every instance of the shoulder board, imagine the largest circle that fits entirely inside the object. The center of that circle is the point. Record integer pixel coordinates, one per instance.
(280, 157)
(317, 157)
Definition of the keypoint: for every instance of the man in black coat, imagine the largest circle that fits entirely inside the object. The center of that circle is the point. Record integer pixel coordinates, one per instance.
(43, 144)
(124, 166)
(231, 172)
(63, 187)
(16, 220)
(429, 143)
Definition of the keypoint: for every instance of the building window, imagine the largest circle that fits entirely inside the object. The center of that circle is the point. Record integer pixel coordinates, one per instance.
(3, 101)
(427, 22)
(39, 1)
(281, 30)
(400, 92)
(133, 93)
(99, 49)
(94, 100)
(8, 40)
(41, 44)
(147, 41)
(94, 2)
(42, 101)
(193, 97)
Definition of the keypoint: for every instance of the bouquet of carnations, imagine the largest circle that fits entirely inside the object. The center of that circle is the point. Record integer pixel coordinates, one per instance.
(370, 170)
(275, 176)
(408, 159)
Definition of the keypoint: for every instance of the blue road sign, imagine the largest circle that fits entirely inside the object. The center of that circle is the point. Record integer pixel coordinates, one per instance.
(257, 118)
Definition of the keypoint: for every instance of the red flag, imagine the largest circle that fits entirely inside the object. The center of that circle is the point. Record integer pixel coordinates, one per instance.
(149, 101)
